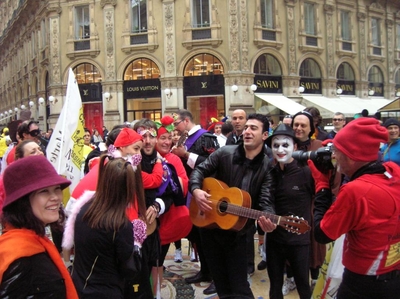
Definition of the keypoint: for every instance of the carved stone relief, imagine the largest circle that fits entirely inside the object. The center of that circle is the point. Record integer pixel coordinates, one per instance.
(110, 47)
(170, 65)
(330, 47)
(291, 40)
(389, 25)
(363, 50)
(244, 43)
(234, 35)
(54, 50)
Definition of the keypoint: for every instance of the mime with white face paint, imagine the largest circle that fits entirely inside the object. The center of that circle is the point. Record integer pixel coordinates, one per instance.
(294, 189)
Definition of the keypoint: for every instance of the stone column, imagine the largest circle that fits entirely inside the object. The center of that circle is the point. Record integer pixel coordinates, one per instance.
(172, 102)
(56, 88)
(362, 92)
(113, 106)
(291, 82)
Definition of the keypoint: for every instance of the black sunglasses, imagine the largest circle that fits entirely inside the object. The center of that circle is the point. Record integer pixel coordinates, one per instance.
(34, 133)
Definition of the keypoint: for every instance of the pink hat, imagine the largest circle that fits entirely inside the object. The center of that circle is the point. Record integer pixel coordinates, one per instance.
(29, 174)
(361, 138)
(126, 137)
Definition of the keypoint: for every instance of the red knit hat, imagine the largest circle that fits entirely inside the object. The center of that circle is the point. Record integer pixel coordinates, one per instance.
(126, 137)
(165, 126)
(361, 138)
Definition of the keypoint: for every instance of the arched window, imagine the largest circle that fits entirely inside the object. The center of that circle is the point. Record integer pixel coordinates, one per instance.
(203, 64)
(87, 73)
(310, 77)
(345, 72)
(90, 88)
(267, 64)
(310, 69)
(141, 68)
(375, 78)
(204, 88)
(268, 74)
(142, 90)
(375, 75)
(397, 81)
(345, 77)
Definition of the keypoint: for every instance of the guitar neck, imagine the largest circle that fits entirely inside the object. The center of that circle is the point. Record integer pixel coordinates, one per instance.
(250, 213)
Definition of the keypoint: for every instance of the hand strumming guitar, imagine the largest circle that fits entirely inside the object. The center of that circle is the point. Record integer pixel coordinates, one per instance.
(202, 200)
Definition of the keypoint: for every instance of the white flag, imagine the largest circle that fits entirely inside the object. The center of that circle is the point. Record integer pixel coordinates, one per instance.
(65, 148)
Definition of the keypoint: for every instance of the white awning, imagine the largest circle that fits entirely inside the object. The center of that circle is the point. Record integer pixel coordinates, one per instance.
(281, 102)
(348, 105)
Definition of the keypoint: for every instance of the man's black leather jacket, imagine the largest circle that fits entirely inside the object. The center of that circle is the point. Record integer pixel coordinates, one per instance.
(229, 164)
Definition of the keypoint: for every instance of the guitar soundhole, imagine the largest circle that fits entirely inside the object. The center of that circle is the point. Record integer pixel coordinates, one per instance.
(223, 206)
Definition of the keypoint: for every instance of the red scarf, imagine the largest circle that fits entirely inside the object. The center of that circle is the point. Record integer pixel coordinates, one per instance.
(18, 243)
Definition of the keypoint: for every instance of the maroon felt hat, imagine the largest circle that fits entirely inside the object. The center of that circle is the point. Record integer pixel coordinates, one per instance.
(30, 174)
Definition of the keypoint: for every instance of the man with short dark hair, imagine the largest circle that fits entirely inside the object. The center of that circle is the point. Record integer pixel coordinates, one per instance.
(244, 166)
(27, 130)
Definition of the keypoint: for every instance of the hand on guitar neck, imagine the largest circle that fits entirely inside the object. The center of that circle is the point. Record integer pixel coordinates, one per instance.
(179, 149)
(266, 224)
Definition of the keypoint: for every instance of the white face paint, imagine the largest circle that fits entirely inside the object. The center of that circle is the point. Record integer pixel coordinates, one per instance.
(282, 148)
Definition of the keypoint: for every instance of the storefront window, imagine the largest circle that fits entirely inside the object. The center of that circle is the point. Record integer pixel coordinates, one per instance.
(375, 78)
(90, 88)
(346, 79)
(140, 69)
(142, 90)
(267, 64)
(203, 64)
(203, 108)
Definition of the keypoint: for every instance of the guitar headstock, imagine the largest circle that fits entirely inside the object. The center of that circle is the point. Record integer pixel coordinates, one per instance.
(182, 139)
(294, 224)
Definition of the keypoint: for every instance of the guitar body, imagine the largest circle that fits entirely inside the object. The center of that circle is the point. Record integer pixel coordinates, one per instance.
(220, 195)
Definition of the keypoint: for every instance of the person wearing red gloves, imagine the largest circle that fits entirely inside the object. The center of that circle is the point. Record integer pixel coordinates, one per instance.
(367, 210)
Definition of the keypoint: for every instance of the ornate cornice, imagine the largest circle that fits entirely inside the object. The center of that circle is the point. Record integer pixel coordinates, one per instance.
(361, 16)
(105, 2)
(329, 8)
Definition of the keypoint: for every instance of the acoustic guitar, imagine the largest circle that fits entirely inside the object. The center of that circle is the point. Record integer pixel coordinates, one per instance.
(231, 207)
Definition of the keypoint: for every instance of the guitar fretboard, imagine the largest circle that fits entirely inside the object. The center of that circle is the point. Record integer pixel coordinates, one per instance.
(249, 213)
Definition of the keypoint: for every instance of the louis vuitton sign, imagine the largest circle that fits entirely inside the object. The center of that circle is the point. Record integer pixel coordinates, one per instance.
(91, 92)
(149, 88)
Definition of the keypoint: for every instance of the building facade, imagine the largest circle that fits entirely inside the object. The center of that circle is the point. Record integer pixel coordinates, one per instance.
(144, 58)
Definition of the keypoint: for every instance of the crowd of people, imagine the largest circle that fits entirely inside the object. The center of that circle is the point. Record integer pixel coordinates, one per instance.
(142, 189)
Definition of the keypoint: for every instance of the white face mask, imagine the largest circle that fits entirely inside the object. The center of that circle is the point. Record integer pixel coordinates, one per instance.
(282, 148)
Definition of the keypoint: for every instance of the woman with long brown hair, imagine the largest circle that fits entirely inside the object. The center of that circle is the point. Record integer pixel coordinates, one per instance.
(102, 233)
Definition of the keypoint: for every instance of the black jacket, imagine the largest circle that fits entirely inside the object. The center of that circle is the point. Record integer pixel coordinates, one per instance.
(32, 277)
(103, 260)
(234, 139)
(229, 164)
(205, 145)
(294, 191)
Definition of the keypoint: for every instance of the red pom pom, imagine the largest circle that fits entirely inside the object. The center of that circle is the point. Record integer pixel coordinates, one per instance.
(167, 120)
